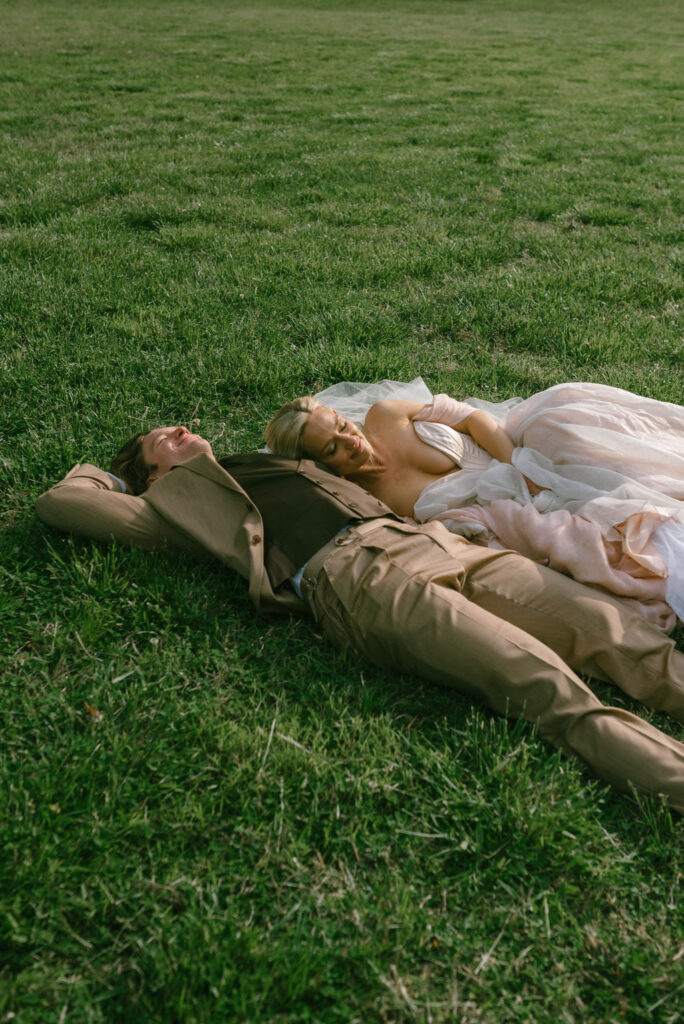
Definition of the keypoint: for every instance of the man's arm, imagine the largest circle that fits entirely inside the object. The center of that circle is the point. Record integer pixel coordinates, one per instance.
(89, 503)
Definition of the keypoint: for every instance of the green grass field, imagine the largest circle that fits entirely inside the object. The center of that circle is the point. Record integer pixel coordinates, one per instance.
(209, 207)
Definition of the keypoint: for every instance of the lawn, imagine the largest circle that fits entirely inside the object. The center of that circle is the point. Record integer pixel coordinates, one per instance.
(206, 208)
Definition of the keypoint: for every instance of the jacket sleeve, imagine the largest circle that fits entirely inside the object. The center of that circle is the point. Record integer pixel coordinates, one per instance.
(89, 503)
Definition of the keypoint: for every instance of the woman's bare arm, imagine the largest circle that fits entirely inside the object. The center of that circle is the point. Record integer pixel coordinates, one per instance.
(486, 432)
(385, 416)
(482, 427)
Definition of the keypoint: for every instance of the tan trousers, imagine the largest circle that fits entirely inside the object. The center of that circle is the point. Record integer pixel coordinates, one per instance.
(507, 631)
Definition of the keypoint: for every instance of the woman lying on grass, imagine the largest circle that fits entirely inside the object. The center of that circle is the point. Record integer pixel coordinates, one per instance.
(586, 478)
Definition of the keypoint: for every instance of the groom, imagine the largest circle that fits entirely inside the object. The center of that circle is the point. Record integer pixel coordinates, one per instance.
(414, 599)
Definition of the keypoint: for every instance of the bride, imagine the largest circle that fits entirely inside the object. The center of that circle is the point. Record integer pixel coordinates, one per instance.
(584, 477)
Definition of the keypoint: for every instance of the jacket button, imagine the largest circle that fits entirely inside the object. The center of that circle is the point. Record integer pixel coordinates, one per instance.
(256, 539)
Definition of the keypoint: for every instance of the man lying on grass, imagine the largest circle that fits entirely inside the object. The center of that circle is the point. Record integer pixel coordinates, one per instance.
(413, 599)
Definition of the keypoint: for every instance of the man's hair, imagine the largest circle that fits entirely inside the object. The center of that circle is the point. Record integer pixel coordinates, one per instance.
(284, 432)
(130, 465)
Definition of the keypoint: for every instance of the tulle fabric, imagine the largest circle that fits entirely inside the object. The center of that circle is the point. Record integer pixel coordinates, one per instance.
(594, 424)
(352, 400)
(669, 539)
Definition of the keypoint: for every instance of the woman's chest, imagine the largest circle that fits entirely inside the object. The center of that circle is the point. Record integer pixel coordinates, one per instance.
(401, 486)
(405, 451)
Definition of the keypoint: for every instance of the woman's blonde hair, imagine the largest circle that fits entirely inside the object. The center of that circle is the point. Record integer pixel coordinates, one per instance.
(284, 432)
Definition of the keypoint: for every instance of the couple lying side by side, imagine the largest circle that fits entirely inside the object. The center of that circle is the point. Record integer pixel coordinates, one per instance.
(412, 598)
(585, 478)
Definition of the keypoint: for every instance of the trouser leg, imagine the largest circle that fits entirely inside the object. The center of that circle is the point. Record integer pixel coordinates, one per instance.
(372, 596)
(591, 631)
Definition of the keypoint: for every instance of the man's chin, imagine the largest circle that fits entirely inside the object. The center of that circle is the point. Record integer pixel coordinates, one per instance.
(202, 447)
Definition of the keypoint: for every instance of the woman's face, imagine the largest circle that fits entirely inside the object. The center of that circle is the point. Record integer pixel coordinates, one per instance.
(336, 442)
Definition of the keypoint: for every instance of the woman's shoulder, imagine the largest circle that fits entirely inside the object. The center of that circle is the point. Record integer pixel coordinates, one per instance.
(389, 411)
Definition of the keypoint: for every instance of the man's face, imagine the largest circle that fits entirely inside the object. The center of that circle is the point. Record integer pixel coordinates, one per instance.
(167, 447)
(336, 442)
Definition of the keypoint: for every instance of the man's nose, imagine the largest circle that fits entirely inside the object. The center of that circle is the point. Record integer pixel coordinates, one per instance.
(182, 431)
